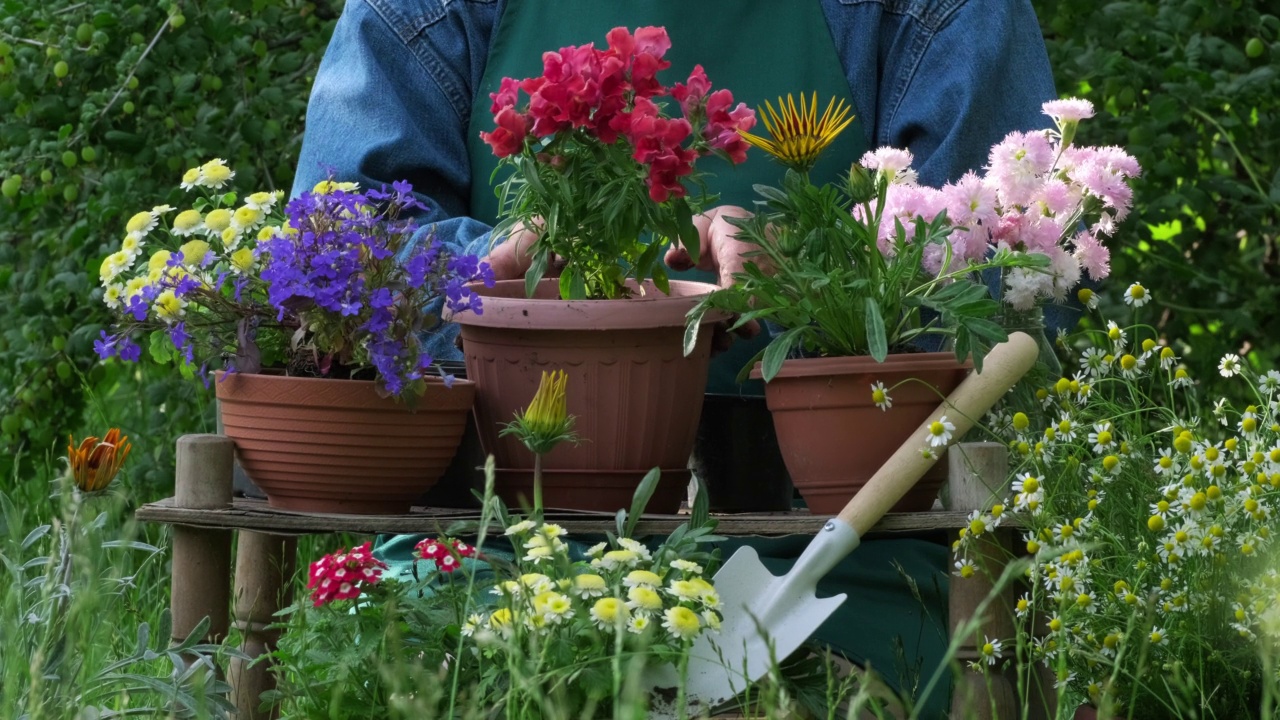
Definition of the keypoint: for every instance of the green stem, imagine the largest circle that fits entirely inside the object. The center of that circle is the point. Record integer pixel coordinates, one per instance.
(537, 487)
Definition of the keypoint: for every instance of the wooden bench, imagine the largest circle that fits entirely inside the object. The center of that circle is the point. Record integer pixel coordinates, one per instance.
(204, 515)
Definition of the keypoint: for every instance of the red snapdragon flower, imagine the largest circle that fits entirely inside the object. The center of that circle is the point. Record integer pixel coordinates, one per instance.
(342, 575)
(607, 93)
(446, 554)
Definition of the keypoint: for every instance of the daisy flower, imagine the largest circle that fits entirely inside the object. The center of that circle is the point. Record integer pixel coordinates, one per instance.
(991, 650)
(940, 432)
(1229, 365)
(681, 622)
(1158, 636)
(965, 568)
(1270, 382)
(880, 396)
(1094, 362)
(1116, 335)
(1136, 295)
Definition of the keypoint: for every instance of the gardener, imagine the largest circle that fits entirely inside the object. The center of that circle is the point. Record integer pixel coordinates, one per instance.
(403, 93)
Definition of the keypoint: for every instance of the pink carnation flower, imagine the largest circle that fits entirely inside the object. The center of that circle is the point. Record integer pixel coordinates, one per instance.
(895, 163)
(1016, 165)
(1092, 255)
(970, 201)
(1068, 110)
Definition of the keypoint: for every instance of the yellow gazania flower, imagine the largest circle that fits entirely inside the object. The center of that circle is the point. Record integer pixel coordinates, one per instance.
(94, 464)
(546, 422)
(798, 135)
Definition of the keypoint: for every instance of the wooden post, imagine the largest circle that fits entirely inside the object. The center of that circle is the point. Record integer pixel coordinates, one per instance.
(264, 568)
(201, 574)
(978, 477)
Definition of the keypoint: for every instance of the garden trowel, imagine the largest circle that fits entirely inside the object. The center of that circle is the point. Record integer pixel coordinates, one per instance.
(766, 617)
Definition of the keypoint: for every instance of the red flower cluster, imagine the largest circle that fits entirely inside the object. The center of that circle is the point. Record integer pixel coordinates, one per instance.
(608, 94)
(444, 553)
(341, 576)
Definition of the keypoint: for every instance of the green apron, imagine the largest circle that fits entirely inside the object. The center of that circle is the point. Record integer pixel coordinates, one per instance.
(759, 49)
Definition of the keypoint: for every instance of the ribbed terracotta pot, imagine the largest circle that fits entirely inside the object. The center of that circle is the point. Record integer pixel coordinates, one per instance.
(635, 395)
(833, 437)
(320, 445)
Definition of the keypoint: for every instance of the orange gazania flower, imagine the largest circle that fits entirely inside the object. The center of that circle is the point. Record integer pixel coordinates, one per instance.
(94, 464)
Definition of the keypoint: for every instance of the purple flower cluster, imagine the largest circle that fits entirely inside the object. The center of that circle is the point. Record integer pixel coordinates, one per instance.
(121, 346)
(347, 271)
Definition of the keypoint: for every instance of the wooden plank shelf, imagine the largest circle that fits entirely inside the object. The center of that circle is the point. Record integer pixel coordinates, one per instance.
(251, 514)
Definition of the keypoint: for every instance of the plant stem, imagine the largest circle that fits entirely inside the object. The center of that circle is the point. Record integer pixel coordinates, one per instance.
(537, 486)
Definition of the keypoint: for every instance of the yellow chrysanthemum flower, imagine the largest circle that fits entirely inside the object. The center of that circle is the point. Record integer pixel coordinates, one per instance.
(682, 622)
(246, 217)
(190, 178)
(643, 598)
(589, 585)
(193, 252)
(187, 222)
(217, 220)
(607, 611)
(798, 135)
(159, 260)
(215, 173)
(140, 224)
(242, 260)
(169, 307)
(328, 187)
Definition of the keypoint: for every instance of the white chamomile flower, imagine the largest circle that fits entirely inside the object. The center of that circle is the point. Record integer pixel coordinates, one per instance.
(1270, 382)
(1158, 636)
(1165, 463)
(1094, 362)
(880, 396)
(965, 568)
(940, 431)
(1116, 335)
(638, 624)
(471, 625)
(1136, 295)
(1229, 365)
(991, 650)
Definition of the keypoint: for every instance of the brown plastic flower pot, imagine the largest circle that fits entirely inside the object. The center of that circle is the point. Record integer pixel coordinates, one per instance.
(321, 445)
(635, 396)
(834, 438)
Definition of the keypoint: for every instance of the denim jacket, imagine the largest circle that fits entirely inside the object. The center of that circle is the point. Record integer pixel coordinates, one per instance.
(393, 94)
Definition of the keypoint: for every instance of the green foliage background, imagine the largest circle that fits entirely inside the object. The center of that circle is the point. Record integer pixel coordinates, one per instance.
(103, 105)
(148, 89)
(1192, 89)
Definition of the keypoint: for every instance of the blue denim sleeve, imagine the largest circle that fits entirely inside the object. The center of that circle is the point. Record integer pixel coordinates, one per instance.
(982, 73)
(392, 100)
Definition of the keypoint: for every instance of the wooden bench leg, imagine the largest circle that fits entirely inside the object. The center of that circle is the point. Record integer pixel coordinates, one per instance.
(201, 557)
(978, 477)
(264, 568)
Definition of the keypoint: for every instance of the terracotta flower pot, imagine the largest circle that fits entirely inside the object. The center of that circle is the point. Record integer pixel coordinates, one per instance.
(320, 445)
(833, 437)
(635, 395)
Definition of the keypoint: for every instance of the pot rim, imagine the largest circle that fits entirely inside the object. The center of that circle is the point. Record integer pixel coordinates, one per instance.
(316, 392)
(654, 310)
(864, 364)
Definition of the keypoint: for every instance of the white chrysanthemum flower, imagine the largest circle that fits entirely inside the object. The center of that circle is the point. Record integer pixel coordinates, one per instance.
(169, 307)
(686, 566)
(636, 547)
(880, 396)
(190, 179)
(638, 624)
(606, 613)
(1229, 365)
(519, 528)
(940, 432)
(247, 218)
(596, 550)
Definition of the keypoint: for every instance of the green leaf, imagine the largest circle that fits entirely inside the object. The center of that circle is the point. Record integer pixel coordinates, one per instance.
(877, 342)
(693, 326)
(160, 347)
(686, 233)
(777, 352)
(639, 501)
(537, 269)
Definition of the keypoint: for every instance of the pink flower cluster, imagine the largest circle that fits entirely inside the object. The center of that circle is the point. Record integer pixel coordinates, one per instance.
(1035, 194)
(342, 575)
(446, 554)
(608, 95)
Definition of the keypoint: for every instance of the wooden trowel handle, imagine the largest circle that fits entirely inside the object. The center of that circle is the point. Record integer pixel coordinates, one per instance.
(1003, 367)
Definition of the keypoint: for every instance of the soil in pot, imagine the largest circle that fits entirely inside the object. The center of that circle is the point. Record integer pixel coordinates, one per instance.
(834, 438)
(322, 445)
(636, 397)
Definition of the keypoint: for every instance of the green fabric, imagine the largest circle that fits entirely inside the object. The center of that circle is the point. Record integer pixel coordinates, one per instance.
(759, 49)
